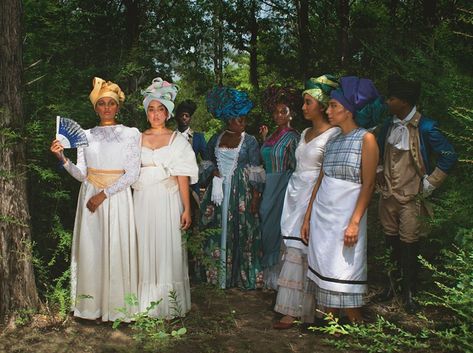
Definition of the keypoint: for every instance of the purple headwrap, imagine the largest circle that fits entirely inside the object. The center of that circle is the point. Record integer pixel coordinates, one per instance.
(354, 93)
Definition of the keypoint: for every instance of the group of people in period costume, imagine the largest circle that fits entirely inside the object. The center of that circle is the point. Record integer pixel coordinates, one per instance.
(290, 211)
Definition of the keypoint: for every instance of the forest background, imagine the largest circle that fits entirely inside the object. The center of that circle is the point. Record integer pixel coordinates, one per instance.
(247, 44)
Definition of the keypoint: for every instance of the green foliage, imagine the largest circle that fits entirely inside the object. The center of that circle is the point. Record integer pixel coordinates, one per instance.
(381, 336)
(455, 294)
(9, 137)
(58, 296)
(23, 316)
(196, 242)
(333, 326)
(148, 331)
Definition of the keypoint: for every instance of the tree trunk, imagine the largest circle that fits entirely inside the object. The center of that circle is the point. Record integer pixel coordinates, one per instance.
(393, 5)
(430, 12)
(17, 284)
(132, 15)
(344, 24)
(304, 37)
(254, 46)
(218, 41)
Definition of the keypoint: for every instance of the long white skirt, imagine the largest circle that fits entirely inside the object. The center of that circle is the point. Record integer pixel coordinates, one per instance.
(333, 266)
(104, 256)
(292, 299)
(161, 250)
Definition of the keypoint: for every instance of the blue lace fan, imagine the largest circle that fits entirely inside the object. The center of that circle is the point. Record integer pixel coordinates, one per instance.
(69, 133)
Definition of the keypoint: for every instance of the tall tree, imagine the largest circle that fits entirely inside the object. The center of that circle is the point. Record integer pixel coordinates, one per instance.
(17, 284)
(304, 36)
(218, 24)
(343, 11)
(253, 25)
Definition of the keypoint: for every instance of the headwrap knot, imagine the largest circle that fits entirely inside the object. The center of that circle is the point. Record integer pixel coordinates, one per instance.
(103, 89)
(320, 87)
(161, 91)
(227, 103)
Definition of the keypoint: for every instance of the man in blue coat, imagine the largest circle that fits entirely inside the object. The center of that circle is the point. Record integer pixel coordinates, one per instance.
(184, 112)
(406, 177)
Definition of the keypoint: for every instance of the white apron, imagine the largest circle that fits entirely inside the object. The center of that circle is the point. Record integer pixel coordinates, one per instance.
(333, 266)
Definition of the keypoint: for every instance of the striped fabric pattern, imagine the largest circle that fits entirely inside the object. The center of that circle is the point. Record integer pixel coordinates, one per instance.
(281, 156)
(343, 156)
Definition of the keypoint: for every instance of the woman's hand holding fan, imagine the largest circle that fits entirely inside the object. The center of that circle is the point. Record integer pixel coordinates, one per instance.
(69, 133)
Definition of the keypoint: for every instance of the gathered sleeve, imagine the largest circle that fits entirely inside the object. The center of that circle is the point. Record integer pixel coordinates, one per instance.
(183, 161)
(79, 170)
(256, 173)
(131, 164)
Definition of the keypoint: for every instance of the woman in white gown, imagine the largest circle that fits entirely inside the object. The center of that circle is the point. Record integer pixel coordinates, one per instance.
(162, 207)
(292, 301)
(104, 266)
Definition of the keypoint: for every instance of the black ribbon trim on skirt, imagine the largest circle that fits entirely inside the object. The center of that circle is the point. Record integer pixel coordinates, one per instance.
(336, 280)
(296, 238)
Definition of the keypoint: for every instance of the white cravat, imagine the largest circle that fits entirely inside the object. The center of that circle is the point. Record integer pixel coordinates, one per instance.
(187, 134)
(399, 136)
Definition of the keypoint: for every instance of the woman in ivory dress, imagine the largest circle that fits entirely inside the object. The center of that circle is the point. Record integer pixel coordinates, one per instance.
(335, 221)
(292, 301)
(104, 251)
(231, 201)
(162, 207)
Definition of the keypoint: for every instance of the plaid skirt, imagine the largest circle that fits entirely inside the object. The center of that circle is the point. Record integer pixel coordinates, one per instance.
(331, 299)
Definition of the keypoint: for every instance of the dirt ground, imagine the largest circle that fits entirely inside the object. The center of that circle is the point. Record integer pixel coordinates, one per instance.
(220, 321)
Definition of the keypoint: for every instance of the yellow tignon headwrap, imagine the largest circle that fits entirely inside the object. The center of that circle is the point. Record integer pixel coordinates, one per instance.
(105, 89)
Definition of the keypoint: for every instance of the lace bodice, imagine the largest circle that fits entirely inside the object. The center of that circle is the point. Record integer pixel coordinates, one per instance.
(114, 147)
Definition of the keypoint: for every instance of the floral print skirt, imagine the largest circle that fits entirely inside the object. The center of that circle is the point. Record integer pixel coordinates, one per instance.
(241, 266)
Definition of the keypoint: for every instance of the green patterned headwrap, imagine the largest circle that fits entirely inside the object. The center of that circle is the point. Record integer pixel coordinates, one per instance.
(320, 88)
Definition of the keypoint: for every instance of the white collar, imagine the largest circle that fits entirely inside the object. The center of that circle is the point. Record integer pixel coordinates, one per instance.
(407, 118)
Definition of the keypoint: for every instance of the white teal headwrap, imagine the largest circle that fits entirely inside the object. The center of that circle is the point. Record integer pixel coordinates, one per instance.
(161, 91)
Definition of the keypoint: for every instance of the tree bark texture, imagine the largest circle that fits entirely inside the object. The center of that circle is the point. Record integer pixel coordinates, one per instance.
(430, 12)
(218, 41)
(254, 46)
(132, 15)
(304, 37)
(17, 284)
(344, 24)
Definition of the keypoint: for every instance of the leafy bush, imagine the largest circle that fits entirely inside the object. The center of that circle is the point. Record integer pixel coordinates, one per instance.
(148, 331)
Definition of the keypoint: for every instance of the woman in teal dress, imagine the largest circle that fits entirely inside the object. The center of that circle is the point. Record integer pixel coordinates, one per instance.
(278, 153)
(231, 200)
